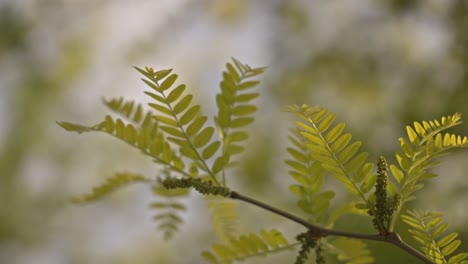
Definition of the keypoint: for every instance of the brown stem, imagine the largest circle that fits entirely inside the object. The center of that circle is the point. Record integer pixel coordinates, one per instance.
(317, 231)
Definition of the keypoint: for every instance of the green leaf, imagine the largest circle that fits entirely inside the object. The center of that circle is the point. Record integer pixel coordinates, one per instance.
(166, 120)
(334, 133)
(111, 184)
(168, 82)
(232, 72)
(244, 110)
(233, 149)
(241, 122)
(189, 153)
(450, 248)
(397, 173)
(196, 125)
(349, 151)
(412, 135)
(368, 183)
(160, 108)
(152, 85)
(144, 73)
(176, 93)
(156, 97)
(183, 104)
(237, 136)
(162, 74)
(321, 113)
(363, 172)
(447, 239)
(326, 122)
(218, 165)
(172, 131)
(74, 127)
(188, 116)
(243, 98)
(356, 163)
(209, 151)
(340, 143)
(204, 137)
(247, 85)
(458, 258)
(439, 230)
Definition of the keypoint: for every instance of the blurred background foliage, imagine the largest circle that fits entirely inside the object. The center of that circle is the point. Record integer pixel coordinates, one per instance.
(379, 64)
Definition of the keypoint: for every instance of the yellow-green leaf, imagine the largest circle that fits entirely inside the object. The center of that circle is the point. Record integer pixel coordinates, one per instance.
(160, 108)
(243, 110)
(176, 93)
(172, 131)
(189, 115)
(204, 137)
(156, 97)
(241, 122)
(168, 82)
(412, 135)
(450, 248)
(218, 165)
(341, 142)
(209, 151)
(334, 133)
(196, 125)
(183, 104)
(247, 85)
(447, 239)
(397, 173)
(166, 120)
(242, 98)
(458, 258)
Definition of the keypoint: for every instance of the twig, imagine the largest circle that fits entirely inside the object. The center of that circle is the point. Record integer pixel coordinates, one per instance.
(317, 231)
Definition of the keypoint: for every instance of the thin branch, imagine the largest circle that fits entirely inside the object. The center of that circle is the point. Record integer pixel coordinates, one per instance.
(317, 231)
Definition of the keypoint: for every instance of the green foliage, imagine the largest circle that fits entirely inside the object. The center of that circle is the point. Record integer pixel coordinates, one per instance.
(351, 251)
(427, 229)
(419, 152)
(180, 120)
(168, 208)
(235, 108)
(111, 184)
(334, 150)
(224, 216)
(425, 143)
(309, 177)
(247, 246)
(191, 155)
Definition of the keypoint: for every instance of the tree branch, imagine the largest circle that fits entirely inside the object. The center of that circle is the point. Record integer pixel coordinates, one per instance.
(318, 232)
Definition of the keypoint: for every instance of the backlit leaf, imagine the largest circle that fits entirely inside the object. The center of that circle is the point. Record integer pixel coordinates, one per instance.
(204, 137)
(176, 93)
(168, 82)
(183, 104)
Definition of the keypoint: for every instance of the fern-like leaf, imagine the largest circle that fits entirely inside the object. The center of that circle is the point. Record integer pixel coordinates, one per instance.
(168, 208)
(309, 177)
(224, 215)
(248, 246)
(351, 251)
(129, 110)
(146, 137)
(181, 120)
(334, 150)
(235, 109)
(425, 143)
(111, 184)
(427, 229)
